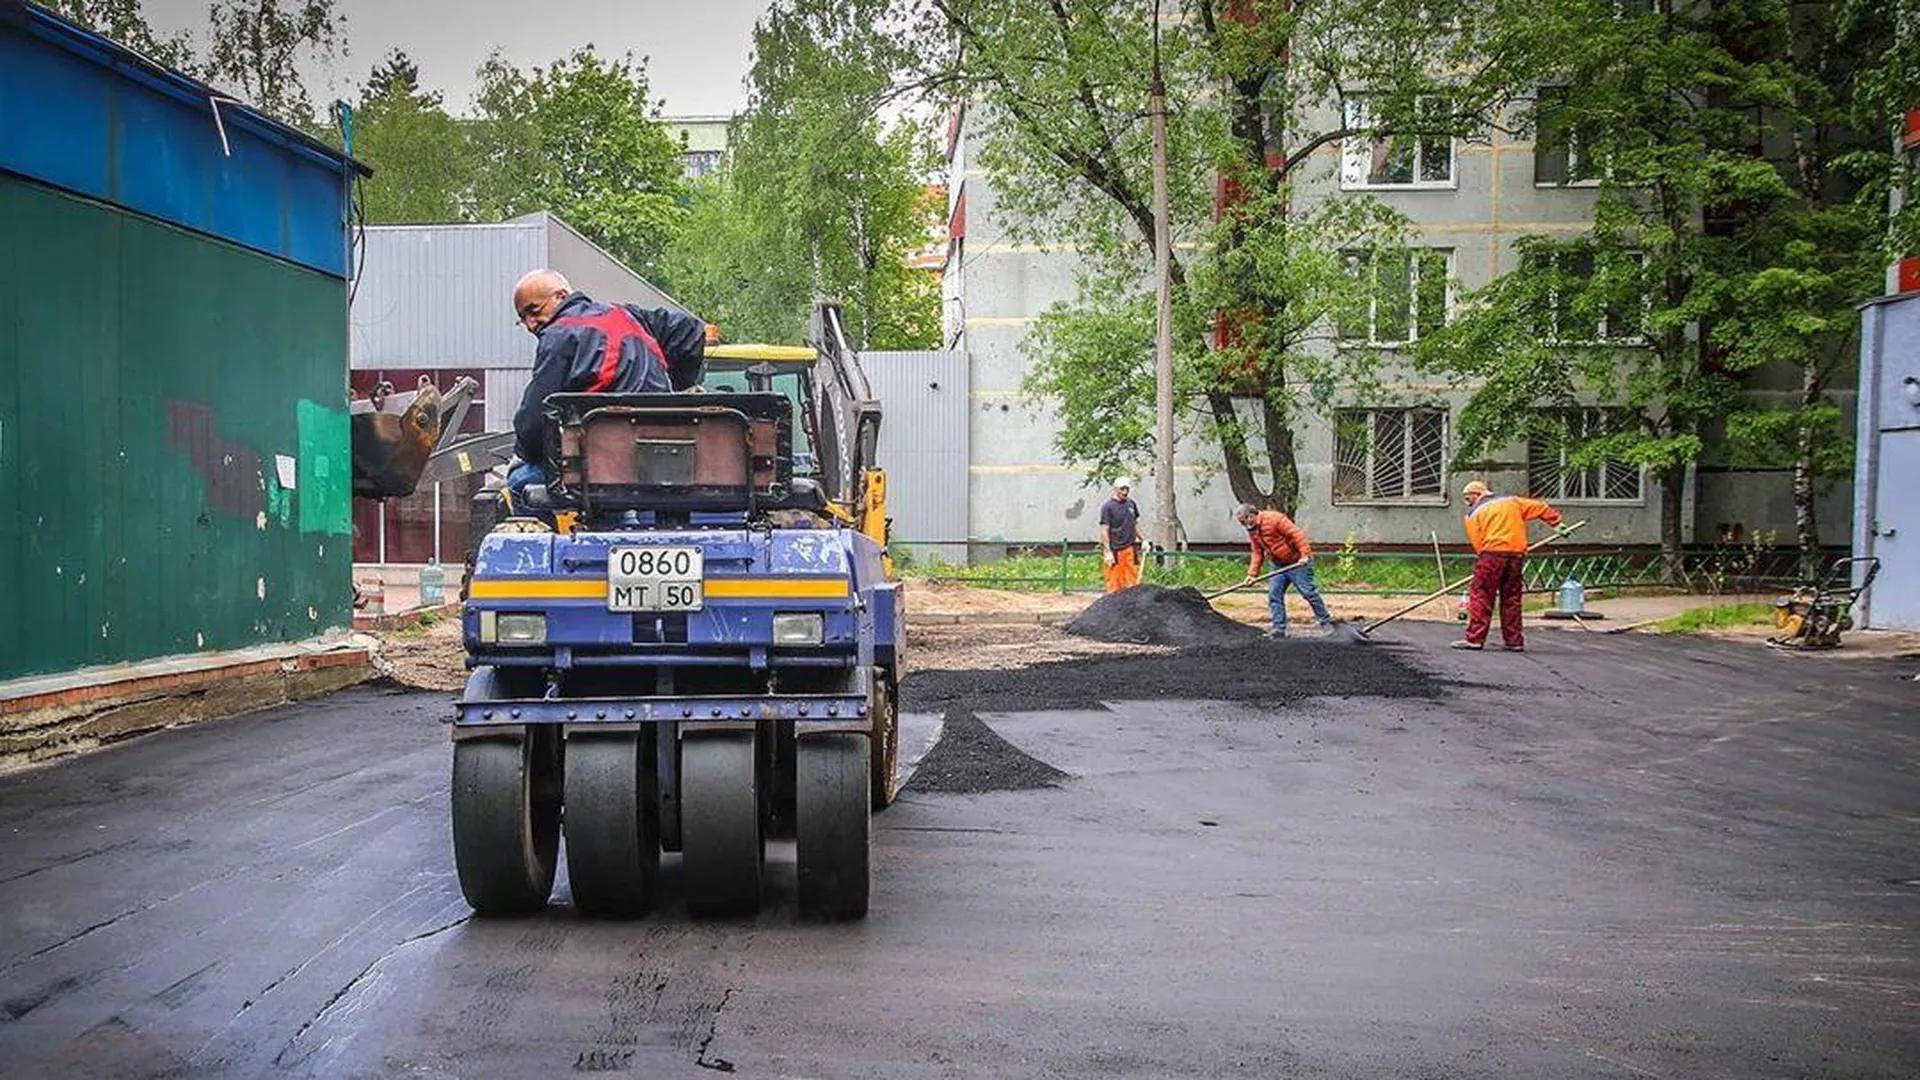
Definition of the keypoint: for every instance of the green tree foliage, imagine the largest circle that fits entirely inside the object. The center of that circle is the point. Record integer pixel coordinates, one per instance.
(1729, 243)
(724, 266)
(820, 196)
(578, 138)
(1258, 94)
(253, 47)
(257, 47)
(1888, 85)
(1812, 255)
(396, 70)
(422, 158)
(124, 22)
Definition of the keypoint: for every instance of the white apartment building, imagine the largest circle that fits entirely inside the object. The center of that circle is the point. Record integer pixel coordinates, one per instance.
(1382, 475)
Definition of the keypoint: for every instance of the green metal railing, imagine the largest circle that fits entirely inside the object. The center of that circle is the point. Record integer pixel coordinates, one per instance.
(1068, 566)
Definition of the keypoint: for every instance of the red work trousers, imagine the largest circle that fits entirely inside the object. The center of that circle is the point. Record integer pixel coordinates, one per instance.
(1125, 571)
(1496, 573)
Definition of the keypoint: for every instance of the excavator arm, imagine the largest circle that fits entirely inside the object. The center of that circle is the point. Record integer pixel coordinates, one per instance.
(399, 437)
(849, 419)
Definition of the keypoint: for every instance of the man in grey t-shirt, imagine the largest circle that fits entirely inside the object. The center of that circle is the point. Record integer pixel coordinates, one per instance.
(1120, 536)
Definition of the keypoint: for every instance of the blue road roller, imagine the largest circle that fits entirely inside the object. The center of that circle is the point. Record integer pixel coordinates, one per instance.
(693, 645)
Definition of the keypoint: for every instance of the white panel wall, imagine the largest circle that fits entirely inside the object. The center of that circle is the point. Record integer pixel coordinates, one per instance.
(440, 296)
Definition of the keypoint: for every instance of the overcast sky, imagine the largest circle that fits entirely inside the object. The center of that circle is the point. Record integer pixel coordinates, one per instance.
(696, 50)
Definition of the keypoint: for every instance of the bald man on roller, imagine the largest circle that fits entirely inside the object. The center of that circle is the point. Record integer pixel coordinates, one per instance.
(590, 347)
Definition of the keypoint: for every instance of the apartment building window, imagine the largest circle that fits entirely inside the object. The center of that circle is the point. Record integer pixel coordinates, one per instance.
(1397, 160)
(1404, 295)
(1552, 475)
(1390, 455)
(1561, 156)
(1569, 316)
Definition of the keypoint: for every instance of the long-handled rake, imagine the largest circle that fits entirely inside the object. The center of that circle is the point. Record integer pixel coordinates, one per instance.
(1363, 632)
(1216, 594)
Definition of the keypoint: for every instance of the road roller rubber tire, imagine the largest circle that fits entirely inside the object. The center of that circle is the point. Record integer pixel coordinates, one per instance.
(833, 825)
(612, 823)
(722, 848)
(884, 743)
(506, 821)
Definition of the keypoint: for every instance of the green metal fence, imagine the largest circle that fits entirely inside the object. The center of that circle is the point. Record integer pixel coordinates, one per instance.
(1069, 566)
(174, 470)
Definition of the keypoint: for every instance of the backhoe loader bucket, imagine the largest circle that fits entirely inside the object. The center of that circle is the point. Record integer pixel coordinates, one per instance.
(392, 436)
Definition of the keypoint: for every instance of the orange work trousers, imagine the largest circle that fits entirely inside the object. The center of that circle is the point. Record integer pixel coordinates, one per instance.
(1125, 571)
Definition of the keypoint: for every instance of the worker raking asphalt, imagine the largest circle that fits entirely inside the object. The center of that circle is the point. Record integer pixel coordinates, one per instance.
(1155, 615)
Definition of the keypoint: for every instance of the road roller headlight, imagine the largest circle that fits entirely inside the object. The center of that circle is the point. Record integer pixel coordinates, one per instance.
(513, 628)
(799, 628)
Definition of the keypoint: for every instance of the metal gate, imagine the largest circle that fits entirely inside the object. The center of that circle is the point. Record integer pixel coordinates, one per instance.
(1886, 514)
(1896, 593)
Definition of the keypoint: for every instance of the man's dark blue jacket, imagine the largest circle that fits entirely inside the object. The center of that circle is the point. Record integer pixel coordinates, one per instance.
(606, 348)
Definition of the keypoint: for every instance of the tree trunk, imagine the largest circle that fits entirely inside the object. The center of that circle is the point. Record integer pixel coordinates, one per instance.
(1804, 518)
(1805, 523)
(1673, 480)
(1277, 435)
(1286, 468)
(1233, 449)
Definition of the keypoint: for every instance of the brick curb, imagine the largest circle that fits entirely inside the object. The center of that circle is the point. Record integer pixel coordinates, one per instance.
(117, 703)
(402, 620)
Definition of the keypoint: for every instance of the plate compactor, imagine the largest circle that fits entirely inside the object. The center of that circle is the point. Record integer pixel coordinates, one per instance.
(709, 651)
(1816, 613)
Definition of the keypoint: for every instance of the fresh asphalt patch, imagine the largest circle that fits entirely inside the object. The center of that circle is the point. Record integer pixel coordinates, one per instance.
(971, 757)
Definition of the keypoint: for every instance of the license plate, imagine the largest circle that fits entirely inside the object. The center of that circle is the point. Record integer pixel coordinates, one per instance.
(656, 579)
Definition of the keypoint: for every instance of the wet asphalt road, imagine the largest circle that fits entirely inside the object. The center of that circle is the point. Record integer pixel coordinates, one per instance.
(1638, 859)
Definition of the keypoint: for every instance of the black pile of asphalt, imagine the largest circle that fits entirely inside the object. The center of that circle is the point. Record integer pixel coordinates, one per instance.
(970, 757)
(1155, 615)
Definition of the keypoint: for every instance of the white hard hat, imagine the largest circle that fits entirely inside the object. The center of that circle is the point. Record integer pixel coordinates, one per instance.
(1123, 482)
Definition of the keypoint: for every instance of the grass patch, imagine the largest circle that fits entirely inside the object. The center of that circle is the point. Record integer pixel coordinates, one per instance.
(1083, 572)
(1720, 617)
(418, 627)
(1079, 572)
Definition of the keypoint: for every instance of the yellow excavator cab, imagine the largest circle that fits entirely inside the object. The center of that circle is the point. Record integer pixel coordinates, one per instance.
(836, 420)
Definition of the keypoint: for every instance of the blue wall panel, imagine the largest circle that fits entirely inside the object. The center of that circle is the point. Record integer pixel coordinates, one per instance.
(38, 130)
(77, 113)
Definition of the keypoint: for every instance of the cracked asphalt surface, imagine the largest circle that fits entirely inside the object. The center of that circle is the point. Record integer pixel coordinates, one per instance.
(1609, 857)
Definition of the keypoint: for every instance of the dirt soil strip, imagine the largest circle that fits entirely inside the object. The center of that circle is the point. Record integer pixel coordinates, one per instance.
(434, 659)
(429, 658)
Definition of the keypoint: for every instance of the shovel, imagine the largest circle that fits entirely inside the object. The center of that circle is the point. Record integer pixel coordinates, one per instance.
(1561, 534)
(1271, 573)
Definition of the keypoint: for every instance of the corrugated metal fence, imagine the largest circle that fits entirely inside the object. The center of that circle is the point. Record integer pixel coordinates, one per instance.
(439, 296)
(924, 446)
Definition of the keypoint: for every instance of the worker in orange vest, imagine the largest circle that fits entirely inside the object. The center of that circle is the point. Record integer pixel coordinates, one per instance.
(1497, 526)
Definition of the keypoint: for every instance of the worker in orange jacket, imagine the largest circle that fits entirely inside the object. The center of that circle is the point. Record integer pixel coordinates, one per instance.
(1274, 535)
(1497, 526)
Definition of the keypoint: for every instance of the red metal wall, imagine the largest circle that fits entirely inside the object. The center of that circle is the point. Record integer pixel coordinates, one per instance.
(1907, 270)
